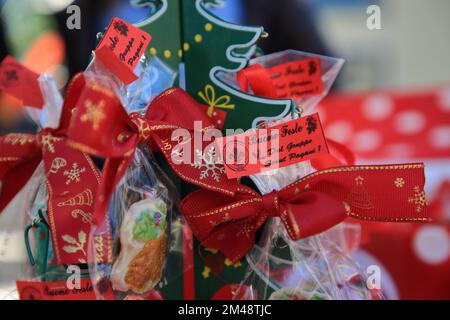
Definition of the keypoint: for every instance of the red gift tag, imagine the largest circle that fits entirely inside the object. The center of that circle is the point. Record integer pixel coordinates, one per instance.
(39, 290)
(297, 79)
(275, 147)
(20, 82)
(121, 48)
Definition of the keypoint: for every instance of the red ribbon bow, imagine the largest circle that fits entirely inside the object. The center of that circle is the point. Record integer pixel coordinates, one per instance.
(71, 180)
(309, 206)
(115, 135)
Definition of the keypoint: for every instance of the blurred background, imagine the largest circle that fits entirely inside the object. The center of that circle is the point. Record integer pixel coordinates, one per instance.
(391, 102)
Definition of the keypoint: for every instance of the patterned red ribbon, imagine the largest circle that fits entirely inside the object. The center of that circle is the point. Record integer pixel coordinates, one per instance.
(71, 180)
(115, 135)
(308, 206)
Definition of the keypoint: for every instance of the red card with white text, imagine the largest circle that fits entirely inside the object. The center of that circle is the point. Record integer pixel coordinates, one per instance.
(279, 146)
(40, 290)
(121, 48)
(20, 82)
(297, 79)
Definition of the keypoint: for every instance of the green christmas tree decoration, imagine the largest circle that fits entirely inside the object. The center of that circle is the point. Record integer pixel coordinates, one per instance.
(185, 31)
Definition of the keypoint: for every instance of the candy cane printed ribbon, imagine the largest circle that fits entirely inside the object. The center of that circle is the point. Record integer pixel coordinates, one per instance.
(71, 180)
(102, 127)
(308, 206)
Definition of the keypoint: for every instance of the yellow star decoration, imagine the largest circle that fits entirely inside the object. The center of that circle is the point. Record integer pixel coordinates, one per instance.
(206, 271)
(229, 263)
(94, 113)
(419, 199)
(399, 182)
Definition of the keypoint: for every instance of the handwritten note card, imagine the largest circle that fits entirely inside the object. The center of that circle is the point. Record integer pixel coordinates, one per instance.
(278, 146)
(297, 79)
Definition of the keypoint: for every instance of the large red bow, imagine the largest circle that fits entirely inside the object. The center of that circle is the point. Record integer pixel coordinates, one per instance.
(71, 180)
(102, 127)
(309, 206)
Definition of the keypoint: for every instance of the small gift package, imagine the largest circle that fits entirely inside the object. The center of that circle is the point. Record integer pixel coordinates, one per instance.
(139, 220)
(58, 183)
(135, 203)
(292, 235)
(303, 77)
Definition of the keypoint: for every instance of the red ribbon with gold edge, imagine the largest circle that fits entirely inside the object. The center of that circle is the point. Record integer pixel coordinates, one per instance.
(308, 206)
(102, 127)
(71, 180)
(259, 80)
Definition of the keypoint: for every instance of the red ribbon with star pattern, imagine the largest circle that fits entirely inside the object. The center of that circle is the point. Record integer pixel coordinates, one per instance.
(308, 206)
(115, 135)
(71, 180)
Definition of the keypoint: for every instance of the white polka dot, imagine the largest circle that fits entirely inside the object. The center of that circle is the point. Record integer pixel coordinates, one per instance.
(367, 140)
(340, 131)
(432, 244)
(444, 99)
(377, 107)
(439, 137)
(399, 150)
(214, 113)
(219, 121)
(409, 122)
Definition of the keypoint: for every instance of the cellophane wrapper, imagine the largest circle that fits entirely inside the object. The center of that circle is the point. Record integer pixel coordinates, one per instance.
(318, 267)
(142, 222)
(329, 66)
(25, 245)
(315, 268)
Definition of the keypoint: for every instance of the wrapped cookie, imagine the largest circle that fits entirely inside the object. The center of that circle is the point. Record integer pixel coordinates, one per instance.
(143, 237)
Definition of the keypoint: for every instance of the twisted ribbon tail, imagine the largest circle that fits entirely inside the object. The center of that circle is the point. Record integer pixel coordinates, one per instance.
(72, 180)
(311, 213)
(19, 157)
(340, 155)
(258, 79)
(73, 91)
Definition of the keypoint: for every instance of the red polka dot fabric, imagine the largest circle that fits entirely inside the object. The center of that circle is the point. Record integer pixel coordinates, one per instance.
(381, 125)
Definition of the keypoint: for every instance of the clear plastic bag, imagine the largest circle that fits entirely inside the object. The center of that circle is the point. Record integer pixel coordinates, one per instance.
(316, 268)
(145, 232)
(154, 77)
(24, 222)
(142, 221)
(329, 66)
